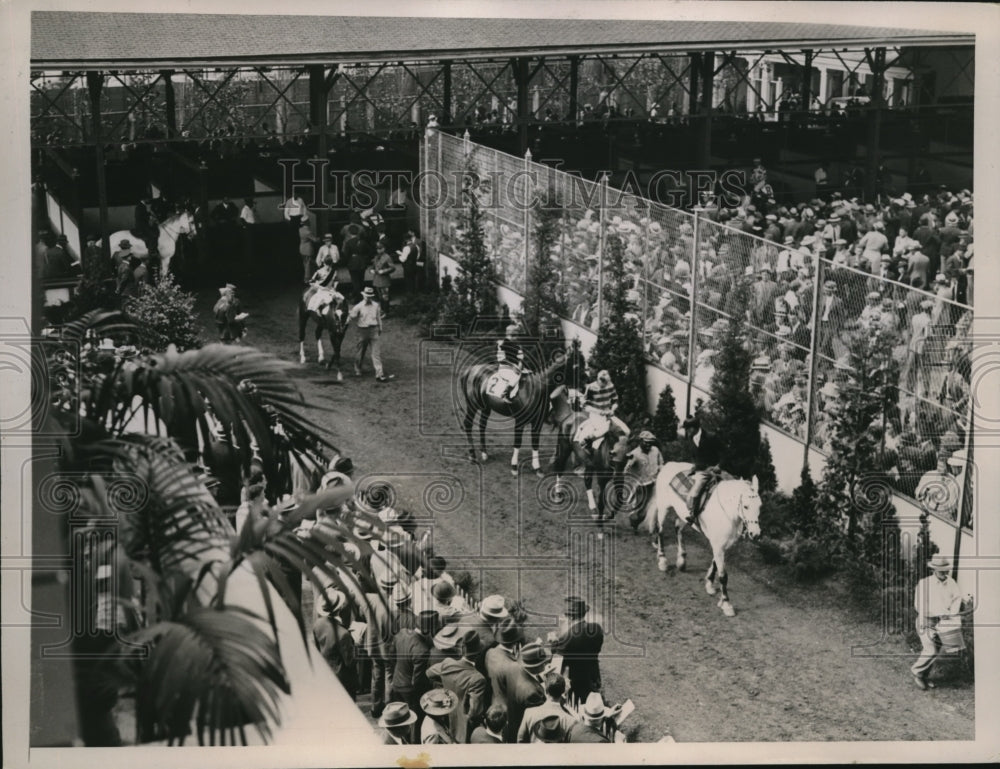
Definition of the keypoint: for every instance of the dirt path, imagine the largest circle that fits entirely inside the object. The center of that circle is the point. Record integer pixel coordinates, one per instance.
(783, 669)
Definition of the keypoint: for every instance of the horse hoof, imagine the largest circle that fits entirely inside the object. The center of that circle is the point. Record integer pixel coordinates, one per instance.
(710, 588)
(682, 566)
(302, 360)
(513, 470)
(661, 564)
(340, 377)
(484, 456)
(727, 609)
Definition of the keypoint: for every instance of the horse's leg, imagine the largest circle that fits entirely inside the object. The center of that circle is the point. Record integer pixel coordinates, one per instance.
(467, 421)
(515, 457)
(320, 354)
(303, 319)
(484, 417)
(681, 554)
(588, 482)
(536, 435)
(724, 604)
(710, 577)
(334, 360)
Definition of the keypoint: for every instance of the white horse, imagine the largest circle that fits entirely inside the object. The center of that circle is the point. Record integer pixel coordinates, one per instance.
(731, 506)
(171, 228)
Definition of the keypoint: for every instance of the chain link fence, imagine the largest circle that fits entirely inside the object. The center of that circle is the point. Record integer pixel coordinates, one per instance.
(677, 260)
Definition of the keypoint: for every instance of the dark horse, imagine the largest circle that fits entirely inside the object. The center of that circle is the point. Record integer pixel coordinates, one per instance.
(333, 319)
(529, 407)
(606, 464)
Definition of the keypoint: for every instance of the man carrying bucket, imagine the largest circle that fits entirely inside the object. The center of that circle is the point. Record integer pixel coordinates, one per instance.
(938, 601)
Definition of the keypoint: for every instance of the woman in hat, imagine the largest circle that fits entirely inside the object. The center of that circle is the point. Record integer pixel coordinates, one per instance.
(936, 598)
(437, 705)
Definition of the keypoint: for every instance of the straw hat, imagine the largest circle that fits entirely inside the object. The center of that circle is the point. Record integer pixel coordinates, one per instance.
(939, 563)
(439, 702)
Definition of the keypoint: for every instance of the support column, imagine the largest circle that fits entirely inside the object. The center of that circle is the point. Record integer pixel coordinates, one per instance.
(318, 94)
(822, 86)
(448, 118)
(694, 74)
(705, 111)
(521, 77)
(171, 102)
(805, 94)
(95, 83)
(876, 61)
(574, 84)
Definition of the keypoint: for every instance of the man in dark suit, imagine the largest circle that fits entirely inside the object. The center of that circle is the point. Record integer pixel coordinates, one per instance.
(334, 640)
(831, 317)
(848, 229)
(706, 452)
(801, 336)
(501, 661)
(580, 644)
(491, 613)
(461, 677)
(526, 690)
(410, 655)
(491, 731)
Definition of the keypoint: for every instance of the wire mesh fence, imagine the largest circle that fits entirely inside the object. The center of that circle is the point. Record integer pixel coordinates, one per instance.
(675, 260)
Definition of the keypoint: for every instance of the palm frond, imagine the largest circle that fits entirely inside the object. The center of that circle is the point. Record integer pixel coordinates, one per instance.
(212, 669)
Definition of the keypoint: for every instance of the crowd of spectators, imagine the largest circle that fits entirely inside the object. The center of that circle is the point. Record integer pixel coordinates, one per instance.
(437, 665)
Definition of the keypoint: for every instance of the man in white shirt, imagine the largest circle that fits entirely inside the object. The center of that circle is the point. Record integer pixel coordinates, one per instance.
(295, 210)
(644, 462)
(329, 248)
(937, 597)
(367, 316)
(248, 214)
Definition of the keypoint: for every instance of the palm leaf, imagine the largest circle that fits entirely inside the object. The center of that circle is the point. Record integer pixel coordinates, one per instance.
(213, 669)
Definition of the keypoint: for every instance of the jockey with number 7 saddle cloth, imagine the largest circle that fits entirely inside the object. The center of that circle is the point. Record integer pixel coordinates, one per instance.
(707, 450)
(600, 399)
(510, 357)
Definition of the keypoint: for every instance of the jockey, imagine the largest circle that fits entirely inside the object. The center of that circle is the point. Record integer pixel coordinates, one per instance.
(600, 399)
(574, 374)
(324, 280)
(706, 450)
(510, 356)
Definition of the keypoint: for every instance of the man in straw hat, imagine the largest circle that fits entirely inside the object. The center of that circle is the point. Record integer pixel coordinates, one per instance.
(470, 686)
(367, 316)
(334, 640)
(591, 726)
(580, 643)
(438, 705)
(936, 598)
(397, 719)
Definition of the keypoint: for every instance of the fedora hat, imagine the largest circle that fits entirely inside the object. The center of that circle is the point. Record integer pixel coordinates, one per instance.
(439, 702)
(549, 729)
(447, 638)
(534, 657)
(397, 714)
(126, 244)
(576, 606)
(646, 435)
(939, 563)
(443, 591)
(594, 706)
(493, 607)
(470, 644)
(509, 632)
(428, 621)
(368, 291)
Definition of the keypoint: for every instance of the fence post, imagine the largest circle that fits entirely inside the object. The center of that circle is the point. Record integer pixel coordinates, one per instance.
(644, 276)
(693, 325)
(813, 358)
(440, 166)
(963, 490)
(601, 246)
(528, 194)
(425, 214)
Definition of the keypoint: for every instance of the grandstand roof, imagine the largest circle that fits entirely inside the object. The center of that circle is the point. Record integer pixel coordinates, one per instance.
(65, 40)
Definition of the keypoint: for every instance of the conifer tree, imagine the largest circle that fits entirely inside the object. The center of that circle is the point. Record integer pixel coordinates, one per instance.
(542, 305)
(767, 478)
(731, 412)
(665, 420)
(619, 341)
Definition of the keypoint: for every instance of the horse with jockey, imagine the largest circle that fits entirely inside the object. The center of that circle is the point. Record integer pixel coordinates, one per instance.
(706, 450)
(600, 401)
(510, 362)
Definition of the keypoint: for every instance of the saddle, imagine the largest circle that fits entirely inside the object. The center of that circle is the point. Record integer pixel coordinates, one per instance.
(322, 297)
(682, 484)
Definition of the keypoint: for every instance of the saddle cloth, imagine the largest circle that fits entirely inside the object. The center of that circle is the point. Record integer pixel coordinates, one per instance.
(682, 482)
(321, 298)
(497, 384)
